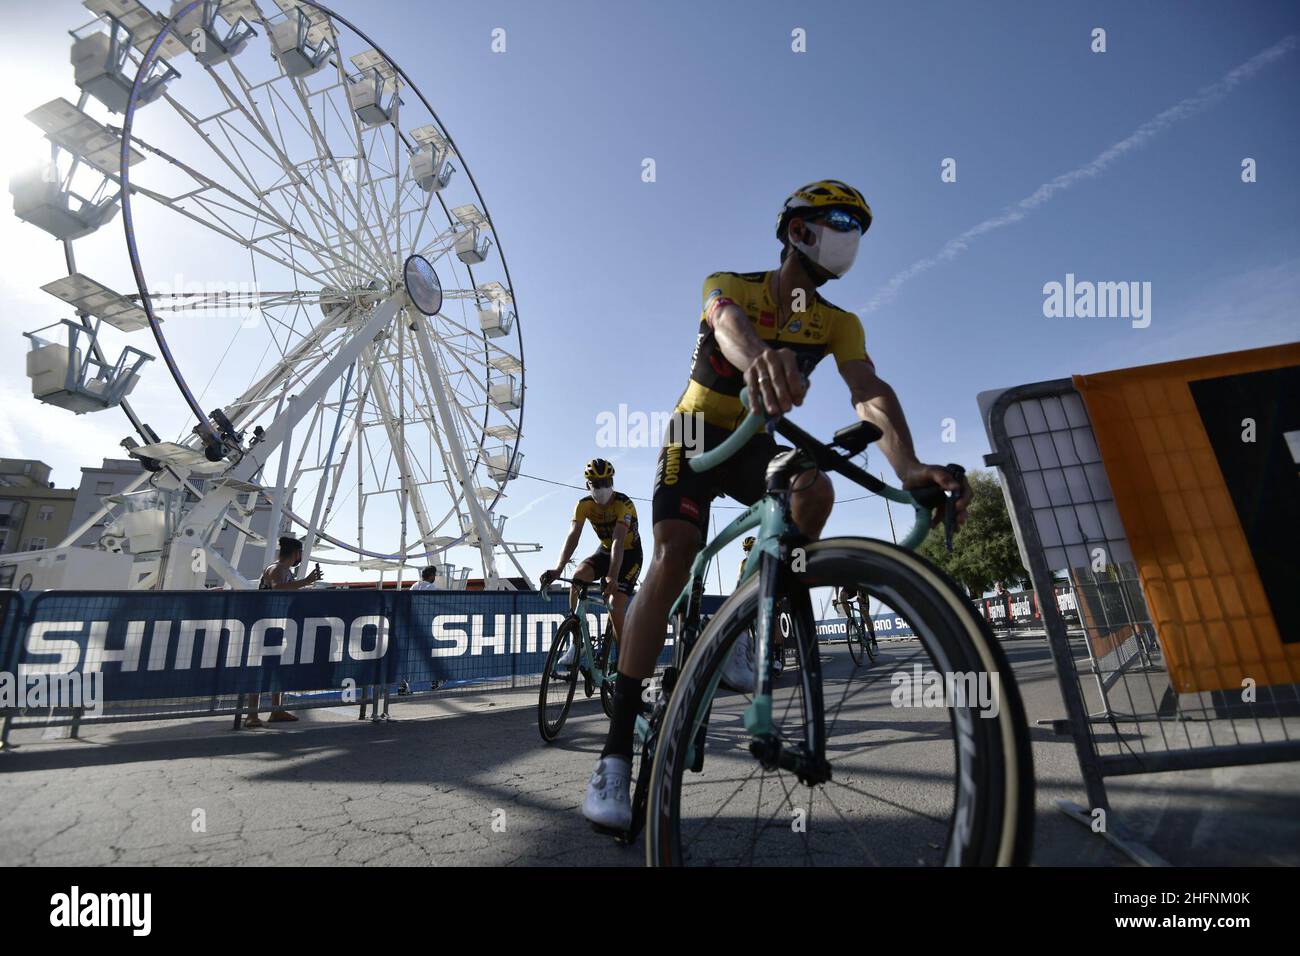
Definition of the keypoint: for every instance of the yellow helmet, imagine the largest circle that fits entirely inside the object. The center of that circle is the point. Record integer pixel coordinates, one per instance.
(748, 544)
(598, 469)
(822, 195)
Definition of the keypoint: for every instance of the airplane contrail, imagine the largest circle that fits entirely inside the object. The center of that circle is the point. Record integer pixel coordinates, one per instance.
(1138, 138)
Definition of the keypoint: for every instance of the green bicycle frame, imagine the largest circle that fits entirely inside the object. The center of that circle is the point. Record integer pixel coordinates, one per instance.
(768, 516)
(588, 657)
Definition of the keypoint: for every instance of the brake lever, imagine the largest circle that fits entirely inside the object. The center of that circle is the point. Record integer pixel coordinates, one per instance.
(771, 421)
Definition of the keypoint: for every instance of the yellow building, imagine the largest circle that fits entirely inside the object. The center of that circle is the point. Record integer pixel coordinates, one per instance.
(33, 513)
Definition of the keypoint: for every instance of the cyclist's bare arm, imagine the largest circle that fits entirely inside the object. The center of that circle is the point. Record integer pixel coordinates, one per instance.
(771, 373)
(876, 402)
(570, 543)
(616, 556)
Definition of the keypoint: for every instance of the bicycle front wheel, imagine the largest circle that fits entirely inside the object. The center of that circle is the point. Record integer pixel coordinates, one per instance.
(559, 680)
(940, 775)
(607, 673)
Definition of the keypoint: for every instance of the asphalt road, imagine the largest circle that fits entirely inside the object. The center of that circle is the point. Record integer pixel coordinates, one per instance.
(466, 781)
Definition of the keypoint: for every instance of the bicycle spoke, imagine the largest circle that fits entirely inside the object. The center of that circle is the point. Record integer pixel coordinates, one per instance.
(890, 803)
(853, 831)
(866, 684)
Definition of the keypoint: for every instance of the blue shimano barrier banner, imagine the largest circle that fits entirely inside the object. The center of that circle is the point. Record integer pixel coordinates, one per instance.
(167, 644)
(885, 625)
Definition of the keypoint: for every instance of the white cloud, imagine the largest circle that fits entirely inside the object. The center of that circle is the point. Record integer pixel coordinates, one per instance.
(1135, 140)
(64, 441)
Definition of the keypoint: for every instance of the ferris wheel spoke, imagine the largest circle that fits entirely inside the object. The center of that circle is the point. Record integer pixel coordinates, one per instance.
(339, 469)
(294, 367)
(413, 242)
(359, 139)
(394, 427)
(273, 148)
(295, 476)
(414, 474)
(308, 198)
(180, 302)
(440, 245)
(432, 424)
(429, 418)
(213, 198)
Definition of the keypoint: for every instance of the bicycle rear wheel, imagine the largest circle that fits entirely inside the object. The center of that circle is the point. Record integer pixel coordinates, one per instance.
(908, 784)
(857, 649)
(555, 696)
(869, 638)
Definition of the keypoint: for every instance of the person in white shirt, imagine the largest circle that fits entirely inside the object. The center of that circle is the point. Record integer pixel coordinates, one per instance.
(427, 578)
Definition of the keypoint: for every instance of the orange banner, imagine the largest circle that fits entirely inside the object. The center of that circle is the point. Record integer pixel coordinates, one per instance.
(1197, 456)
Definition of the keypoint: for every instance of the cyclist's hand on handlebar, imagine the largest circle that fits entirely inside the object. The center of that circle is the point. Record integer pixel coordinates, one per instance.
(921, 474)
(547, 576)
(775, 376)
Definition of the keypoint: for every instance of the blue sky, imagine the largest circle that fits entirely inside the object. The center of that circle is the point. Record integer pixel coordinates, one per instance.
(607, 269)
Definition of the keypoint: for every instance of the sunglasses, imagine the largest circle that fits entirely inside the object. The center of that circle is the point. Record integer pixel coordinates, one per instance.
(841, 220)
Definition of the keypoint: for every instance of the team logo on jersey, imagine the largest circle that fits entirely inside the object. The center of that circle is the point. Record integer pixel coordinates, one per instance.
(794, 326)
(767, 319)
(689, 507)
(672, 464)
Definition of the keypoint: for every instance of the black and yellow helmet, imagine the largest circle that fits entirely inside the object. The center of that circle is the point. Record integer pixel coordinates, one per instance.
(598, 469)
(748, 544)
(823, 195)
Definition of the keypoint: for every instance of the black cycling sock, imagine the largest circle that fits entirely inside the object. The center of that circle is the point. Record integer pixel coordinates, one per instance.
(627, 704)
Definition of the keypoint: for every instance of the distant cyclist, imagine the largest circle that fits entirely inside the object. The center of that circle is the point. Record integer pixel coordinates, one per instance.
(617, 560)
(845, 598)
(739, 672)
(765, 331)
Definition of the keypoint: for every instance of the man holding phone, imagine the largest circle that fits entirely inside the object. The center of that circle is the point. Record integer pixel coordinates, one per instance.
(280, 577)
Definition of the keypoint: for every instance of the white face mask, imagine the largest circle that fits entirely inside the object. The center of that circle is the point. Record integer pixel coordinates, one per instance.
(602, 495)
(833, 251)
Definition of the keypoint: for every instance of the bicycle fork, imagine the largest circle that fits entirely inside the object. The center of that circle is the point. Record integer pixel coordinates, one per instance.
(806, 759)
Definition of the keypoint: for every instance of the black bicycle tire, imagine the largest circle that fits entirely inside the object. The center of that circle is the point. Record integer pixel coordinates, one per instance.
(544, 727)
(994, 764)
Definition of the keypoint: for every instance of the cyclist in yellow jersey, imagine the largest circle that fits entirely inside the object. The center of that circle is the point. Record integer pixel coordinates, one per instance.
(618, 559)
(765, 331)
(747, 546)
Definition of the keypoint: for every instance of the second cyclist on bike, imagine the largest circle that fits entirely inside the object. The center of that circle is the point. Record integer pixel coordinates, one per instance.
(618, 558)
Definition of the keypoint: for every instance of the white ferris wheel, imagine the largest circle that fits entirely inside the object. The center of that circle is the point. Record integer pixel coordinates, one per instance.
(317, 281)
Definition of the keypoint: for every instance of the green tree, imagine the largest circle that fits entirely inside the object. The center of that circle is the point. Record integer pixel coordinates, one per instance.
(984, 552)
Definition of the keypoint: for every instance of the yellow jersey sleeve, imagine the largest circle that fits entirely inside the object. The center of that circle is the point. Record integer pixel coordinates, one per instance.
(848, 342)
(721, 288)
(580, 511)
(627, 514)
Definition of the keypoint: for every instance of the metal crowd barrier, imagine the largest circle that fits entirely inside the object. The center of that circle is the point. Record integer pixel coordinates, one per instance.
(1122, 711)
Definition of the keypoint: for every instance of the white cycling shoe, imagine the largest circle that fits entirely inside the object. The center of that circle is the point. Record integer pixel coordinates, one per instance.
(608, 803)
(567, 658)
(740, 673)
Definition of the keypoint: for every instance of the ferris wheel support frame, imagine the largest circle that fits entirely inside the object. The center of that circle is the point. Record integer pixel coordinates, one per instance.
(482, 527)
(208, 512)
